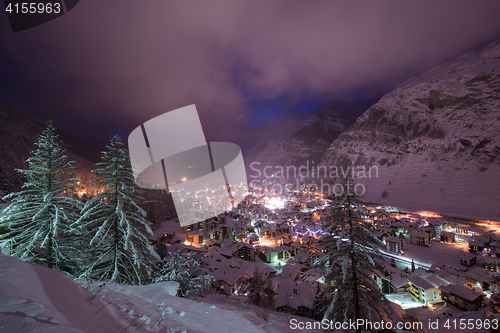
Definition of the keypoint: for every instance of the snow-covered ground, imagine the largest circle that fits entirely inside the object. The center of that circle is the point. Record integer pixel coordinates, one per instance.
(436, 252)
(34, 298)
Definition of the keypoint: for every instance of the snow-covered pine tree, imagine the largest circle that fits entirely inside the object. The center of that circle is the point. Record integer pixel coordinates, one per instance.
(39, 217)
(114, 225)
(186, 269)
(350, 262)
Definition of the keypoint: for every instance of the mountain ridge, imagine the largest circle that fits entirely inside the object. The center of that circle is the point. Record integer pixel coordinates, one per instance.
(308, 140)
(435, 139)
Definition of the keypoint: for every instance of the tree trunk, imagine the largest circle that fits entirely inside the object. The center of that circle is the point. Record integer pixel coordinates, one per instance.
(49, 183)
(357, 311)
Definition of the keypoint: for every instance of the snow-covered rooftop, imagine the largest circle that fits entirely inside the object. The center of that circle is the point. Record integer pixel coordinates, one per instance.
(461, 291)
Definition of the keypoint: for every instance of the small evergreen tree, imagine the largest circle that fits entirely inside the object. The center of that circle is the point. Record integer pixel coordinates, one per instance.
(279, 267)
(256, 289)
(412, 266)
(319, 304)
(114, 225)
(184, 268)
(37, 222)
(350, 262)
(269, 295)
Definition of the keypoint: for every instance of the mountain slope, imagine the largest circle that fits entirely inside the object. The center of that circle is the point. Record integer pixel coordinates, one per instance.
(435, 139)
(18, 134)
(309, 141)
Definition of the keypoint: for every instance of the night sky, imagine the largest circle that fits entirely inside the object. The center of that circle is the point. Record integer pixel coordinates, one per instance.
(251, 67)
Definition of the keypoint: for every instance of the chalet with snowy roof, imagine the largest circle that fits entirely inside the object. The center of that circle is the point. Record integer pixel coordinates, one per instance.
(399, 227)
(268, 254)
(268, 233)
(447, 272)
(229, 279)
(224, 251)
(314, 274)
(212, 224)
(195, 236)
(476, 275)
(301, 228)
(214, 260)
(305, 257)
(241, 236)
(223, 232)
(293, 271)
(447, 236)
(284, 252)
(419, 237)
(287, 229)
(244, 251)
(295, 297)
(462, 297)
(386, 229)
(454, 279)
(297, 246)
(307, 240)
(254, 239)
(476, 245)
(490, 264)
(395, 282)
(468, 259)
(265, 272)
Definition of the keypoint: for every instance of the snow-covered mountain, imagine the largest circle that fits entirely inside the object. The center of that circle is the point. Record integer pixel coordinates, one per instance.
(435, 139)
(308, 141)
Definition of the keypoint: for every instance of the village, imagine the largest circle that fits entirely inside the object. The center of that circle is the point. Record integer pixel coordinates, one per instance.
(431, 259)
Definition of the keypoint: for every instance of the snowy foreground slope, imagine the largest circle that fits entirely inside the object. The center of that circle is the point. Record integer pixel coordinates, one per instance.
(435, 139)
(34, 298)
